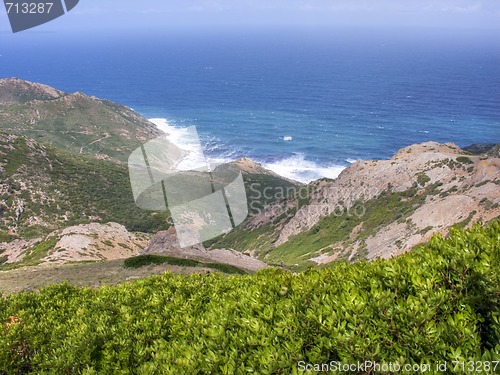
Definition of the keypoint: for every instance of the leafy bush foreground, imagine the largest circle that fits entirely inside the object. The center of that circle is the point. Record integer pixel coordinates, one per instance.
(437, 303)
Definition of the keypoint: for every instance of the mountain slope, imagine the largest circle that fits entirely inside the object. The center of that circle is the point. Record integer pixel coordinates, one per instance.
(46, 192)
(43, 189)
(76, 122)
(376, 208)
(373, 209)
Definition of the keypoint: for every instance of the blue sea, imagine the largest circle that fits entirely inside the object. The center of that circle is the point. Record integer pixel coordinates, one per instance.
(305, 103)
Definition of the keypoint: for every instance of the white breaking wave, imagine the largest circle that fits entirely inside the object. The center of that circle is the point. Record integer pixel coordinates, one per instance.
(298, 169)
(288, 138)
(295, 168)
(194, 157)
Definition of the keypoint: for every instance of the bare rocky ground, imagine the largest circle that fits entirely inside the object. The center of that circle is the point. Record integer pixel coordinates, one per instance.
(16, 250)
(165, 243)
(468, 192)
(88, 242)
(96, 242)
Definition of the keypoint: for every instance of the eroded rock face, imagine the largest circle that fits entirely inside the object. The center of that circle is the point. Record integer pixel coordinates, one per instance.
(14, 251)
(85, 242)
(456, 187)
(95, 242)
(165, 243)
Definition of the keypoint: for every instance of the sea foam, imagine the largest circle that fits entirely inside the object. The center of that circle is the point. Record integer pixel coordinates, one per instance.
(299, 169)
(295, 168)
(194, 157)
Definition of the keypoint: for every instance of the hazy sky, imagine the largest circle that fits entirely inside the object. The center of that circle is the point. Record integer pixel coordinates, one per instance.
(137, 15)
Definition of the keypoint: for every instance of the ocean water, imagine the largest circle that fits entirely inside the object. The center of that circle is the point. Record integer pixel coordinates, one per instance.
(305, 104)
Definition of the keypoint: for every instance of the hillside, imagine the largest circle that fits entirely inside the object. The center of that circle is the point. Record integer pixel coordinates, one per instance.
(43, 189)
(376, 208)
(75, 122)
(67, 213)
(65, 194)
(17, 91)
(56, 206)
(379, 208)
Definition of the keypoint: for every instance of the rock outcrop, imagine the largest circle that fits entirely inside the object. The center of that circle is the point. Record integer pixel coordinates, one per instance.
(86, 242)
(165, 243)
(17, 91)
(430, 162)
(445, 185)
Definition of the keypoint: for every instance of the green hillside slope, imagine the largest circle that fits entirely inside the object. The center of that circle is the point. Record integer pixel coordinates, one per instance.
(43, 189)
(76, 122)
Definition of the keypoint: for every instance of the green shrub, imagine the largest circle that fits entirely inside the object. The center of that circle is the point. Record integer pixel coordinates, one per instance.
(440, 302)
(225, 268)
(3, 259)
(464, 160)
(422, 179)
(5, 237)
(146, 260)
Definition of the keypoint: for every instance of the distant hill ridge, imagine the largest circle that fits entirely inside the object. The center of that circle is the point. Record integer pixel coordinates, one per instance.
(76, 122)
(17, 91)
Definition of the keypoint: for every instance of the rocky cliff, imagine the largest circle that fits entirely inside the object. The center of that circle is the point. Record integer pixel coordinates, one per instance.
(378, 208)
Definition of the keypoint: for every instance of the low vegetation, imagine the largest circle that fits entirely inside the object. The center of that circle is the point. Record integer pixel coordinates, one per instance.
(439, 303)
(76, 190)
(464, 160)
